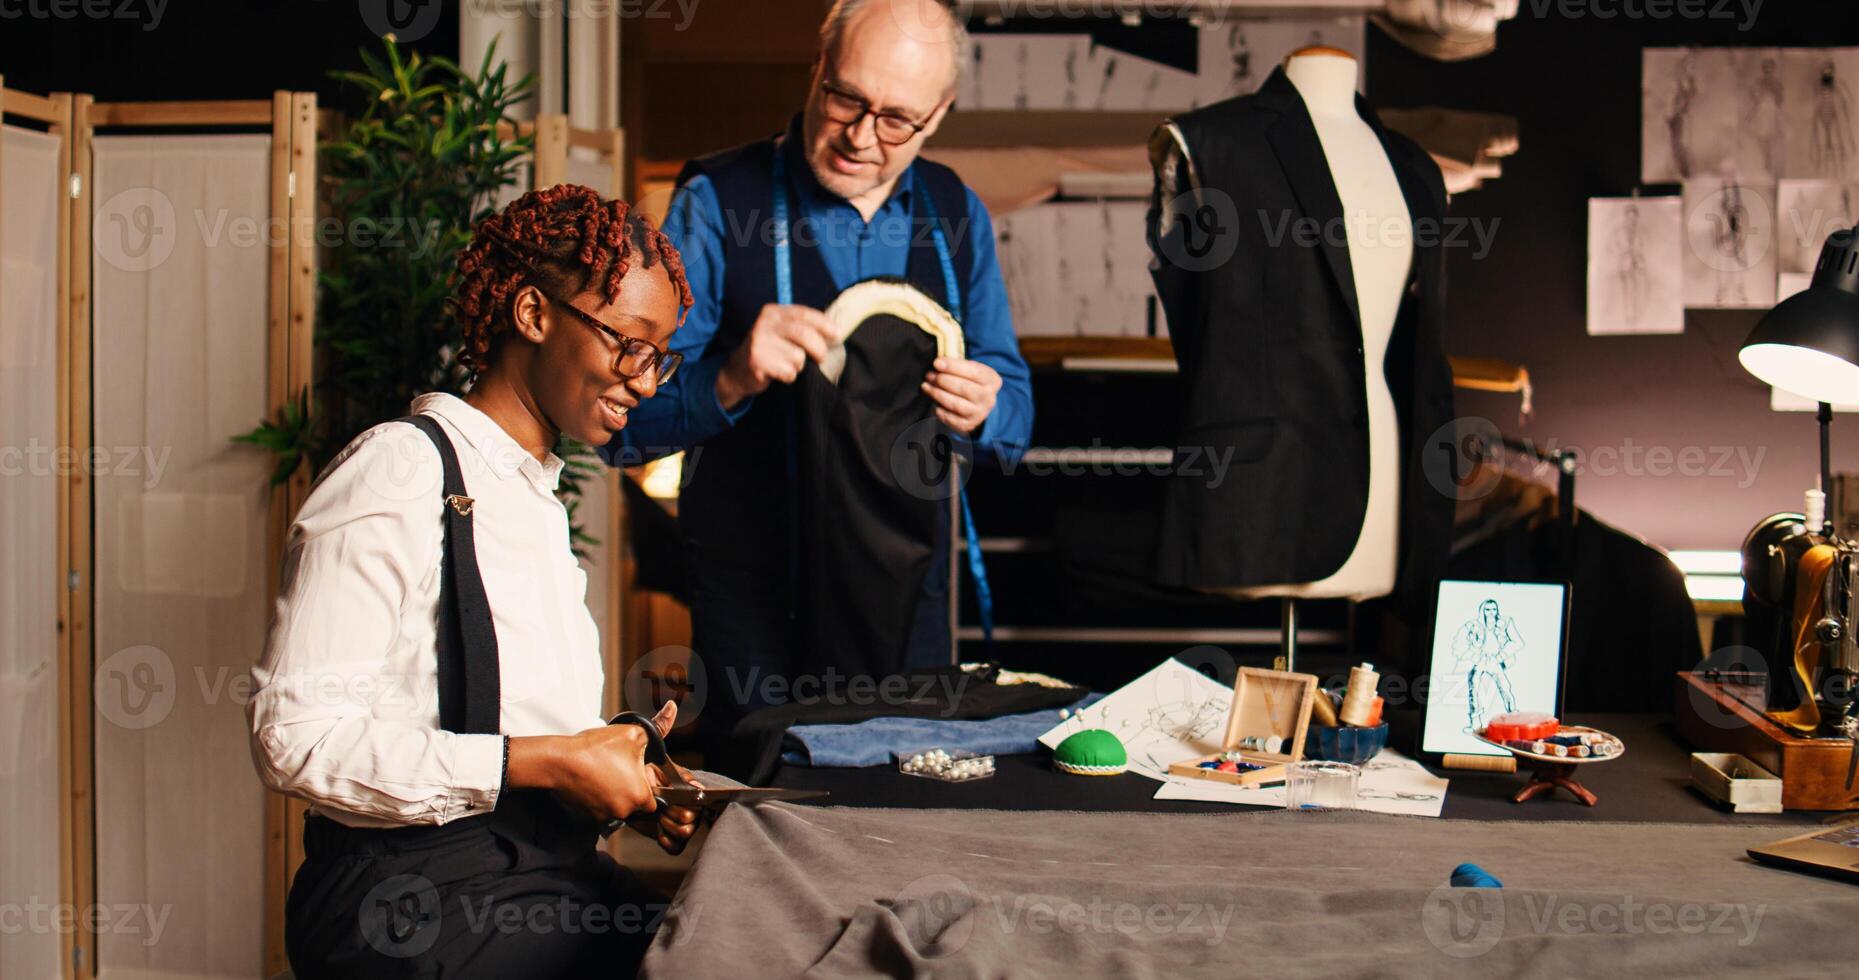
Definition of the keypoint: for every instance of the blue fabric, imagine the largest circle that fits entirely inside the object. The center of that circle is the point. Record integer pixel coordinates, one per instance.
(686, 411)
(871, 743)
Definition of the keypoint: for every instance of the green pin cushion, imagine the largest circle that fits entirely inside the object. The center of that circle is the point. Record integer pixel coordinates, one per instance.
(1092, 752)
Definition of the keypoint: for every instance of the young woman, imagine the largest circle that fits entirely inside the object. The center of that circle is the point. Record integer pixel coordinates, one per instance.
(455, 758)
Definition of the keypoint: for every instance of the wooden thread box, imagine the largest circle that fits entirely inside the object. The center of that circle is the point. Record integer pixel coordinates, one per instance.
(1265, 703)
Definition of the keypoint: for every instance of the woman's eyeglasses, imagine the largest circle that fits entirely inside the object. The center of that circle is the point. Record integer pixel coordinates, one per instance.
(850, 108)
(634, 356)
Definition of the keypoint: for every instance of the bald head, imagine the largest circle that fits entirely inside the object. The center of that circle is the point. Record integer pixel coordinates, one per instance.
(894, 62)
(923, 33)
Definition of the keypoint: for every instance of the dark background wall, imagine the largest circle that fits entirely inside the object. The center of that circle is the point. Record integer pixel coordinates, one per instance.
(1574, 86)
(1572, 82)
(201, 49)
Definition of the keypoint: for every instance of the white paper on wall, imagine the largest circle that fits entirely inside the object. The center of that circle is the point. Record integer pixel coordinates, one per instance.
(1237, 54)
(1026, 71)
(1729, 254)
(1122, 82)
(1077, 268)
(1025, 245)
(1712, 111)
(1820, 87)
(1806, 212)
(1635, 270)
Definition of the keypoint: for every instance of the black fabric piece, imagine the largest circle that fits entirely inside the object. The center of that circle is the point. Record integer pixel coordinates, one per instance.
(470, 681)
(1270, 350)
(876, 466)
(737, 510)
(945, 694)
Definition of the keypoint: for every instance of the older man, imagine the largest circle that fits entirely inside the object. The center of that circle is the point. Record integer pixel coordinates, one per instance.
(771, 233)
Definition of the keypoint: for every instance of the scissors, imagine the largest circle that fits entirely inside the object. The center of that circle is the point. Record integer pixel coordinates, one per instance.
(681, 793)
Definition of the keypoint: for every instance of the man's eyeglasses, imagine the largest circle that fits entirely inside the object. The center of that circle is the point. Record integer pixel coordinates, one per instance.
(634, 356)
(850, 108)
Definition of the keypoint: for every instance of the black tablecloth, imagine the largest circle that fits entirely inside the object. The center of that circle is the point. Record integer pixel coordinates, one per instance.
(1651, 782)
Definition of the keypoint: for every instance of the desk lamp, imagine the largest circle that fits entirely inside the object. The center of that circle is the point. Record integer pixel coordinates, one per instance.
(1809, 345)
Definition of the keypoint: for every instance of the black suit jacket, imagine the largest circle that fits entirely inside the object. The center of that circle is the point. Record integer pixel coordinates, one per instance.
(1256, 282)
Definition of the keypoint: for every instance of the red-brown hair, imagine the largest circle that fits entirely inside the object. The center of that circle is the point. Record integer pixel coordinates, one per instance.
(565, 240)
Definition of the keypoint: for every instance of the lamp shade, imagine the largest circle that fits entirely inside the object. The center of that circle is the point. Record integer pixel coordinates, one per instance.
(1808, 344)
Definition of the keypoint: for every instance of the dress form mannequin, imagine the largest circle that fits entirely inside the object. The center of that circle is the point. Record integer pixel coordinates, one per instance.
(1379, 231)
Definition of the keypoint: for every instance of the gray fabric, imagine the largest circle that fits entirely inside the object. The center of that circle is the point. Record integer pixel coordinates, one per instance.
(785, 890)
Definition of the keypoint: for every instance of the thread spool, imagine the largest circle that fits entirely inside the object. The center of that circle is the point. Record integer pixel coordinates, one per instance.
(1324, 710)
(1359, 696)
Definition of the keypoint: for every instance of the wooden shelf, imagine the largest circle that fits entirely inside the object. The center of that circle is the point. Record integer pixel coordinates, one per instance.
(1048, 352)
(1476, 373)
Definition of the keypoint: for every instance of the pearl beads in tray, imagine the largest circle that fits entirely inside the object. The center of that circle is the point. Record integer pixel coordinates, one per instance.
(938, 764)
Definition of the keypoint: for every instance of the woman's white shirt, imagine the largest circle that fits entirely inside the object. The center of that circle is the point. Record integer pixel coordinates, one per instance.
(345, 710)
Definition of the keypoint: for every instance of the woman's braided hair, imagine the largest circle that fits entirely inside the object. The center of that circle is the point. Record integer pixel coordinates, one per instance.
(565, 240)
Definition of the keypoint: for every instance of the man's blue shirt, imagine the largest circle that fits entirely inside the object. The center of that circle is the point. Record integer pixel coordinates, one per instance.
(685, 412)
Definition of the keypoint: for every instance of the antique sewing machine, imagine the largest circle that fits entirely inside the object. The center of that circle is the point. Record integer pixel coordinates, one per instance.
(1786, 701)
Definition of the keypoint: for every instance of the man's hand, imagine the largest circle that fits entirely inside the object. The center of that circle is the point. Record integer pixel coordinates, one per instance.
(964, 392)
(776, 349)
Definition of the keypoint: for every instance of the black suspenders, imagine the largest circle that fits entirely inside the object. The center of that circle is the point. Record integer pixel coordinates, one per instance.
(469, 699)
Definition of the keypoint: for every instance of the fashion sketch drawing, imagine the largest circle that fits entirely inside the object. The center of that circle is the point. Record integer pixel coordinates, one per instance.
(1484, 649)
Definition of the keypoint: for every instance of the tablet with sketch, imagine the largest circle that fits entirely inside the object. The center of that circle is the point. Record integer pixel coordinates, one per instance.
(1497, 647)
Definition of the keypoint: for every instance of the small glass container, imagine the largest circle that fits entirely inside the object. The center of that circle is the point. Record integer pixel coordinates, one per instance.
(1321, 786)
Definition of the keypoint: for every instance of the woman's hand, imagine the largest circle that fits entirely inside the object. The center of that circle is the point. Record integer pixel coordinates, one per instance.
(601, 771)
(676, 824)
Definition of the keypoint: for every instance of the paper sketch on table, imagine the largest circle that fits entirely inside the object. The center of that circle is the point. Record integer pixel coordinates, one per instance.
(1806, 212)
(1390, 783)
(1169, 714)
(1729, 258)
(1483, 648)
(1635, 266)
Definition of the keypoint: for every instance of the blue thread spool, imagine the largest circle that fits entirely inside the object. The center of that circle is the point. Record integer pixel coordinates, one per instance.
(1472, 876)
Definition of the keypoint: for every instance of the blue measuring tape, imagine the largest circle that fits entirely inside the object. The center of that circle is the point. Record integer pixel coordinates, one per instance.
(952, 290)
